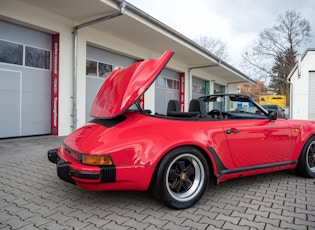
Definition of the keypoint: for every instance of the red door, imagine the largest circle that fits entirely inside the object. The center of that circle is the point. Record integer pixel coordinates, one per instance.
(256, 142)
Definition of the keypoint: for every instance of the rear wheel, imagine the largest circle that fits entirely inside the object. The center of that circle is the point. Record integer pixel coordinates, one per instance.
(182, 178)
(306, 165)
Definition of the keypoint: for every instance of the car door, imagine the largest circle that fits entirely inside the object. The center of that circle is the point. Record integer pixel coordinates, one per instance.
(258, 141)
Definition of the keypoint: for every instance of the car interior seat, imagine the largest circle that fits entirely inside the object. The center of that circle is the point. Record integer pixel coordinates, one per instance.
(197, 105)
(173, 106)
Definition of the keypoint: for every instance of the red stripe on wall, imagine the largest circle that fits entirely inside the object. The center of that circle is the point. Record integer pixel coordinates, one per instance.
(182, 91)
(55, 85)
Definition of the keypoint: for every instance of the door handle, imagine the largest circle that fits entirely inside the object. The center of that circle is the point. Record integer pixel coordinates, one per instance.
(230, 131)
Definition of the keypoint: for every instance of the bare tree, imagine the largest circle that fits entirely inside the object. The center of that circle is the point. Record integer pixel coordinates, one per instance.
(275, 45)
(214, 45)
(257, 90)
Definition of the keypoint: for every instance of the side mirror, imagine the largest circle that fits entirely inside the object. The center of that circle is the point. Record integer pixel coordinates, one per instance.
(272, 115)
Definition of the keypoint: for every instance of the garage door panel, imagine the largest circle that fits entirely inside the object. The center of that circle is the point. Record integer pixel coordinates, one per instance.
(24, 35)
(35, 80)
(93, 83)
(108, 57)
(10, 100)
(26, 93)
(35, 116)
(10, 115)
(199, 87)
(165, 90)
(92, 87)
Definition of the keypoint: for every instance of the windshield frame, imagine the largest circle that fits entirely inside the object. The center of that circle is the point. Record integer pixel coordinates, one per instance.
(228, 103)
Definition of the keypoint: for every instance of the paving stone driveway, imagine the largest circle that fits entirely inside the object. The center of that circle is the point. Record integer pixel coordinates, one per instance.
(33, 197)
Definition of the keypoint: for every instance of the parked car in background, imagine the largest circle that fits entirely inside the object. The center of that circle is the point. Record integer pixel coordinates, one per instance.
(176, 155)
(277, 108)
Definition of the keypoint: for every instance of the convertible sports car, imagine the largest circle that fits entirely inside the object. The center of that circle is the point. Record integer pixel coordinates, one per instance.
(176, 155)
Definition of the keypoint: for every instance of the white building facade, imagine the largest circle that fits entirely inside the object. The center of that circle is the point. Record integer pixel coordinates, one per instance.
(302, 87)
(54, 55)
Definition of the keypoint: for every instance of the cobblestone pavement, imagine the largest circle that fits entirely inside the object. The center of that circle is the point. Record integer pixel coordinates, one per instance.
(33, 197)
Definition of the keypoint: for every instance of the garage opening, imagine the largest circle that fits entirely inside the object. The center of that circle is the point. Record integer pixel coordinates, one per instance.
(99, 64)
(25, 81)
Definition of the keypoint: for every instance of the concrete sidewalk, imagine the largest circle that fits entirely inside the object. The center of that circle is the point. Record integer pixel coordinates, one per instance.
(33, 197)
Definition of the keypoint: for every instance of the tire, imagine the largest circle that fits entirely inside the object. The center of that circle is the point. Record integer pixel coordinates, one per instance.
(306, 165)
(181, 178)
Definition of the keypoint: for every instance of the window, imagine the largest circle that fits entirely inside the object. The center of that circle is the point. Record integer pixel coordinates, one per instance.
(160, 82)
(99, 69)
(91, 68)
(176, 85)
(104, 69)
(170, 84)
(167, 83)
(11, 53)
(199, 89)
(37, 58)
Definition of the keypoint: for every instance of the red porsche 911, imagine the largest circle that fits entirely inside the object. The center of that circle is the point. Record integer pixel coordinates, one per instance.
(177, 154)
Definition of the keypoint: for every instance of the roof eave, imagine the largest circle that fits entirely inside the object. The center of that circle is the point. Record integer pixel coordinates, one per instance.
(183, 38)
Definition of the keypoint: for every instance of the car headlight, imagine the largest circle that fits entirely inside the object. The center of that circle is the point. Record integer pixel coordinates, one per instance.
(96, 159)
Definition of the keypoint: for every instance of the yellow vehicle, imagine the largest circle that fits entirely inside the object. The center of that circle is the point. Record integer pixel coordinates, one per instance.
(280, 100)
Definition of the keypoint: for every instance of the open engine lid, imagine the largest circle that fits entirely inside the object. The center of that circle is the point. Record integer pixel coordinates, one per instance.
(124, 86)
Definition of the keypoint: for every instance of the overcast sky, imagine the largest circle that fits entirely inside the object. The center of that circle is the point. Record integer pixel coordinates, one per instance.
(236, 22)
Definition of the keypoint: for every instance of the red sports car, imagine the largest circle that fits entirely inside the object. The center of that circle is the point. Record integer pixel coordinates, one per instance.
(177, 154)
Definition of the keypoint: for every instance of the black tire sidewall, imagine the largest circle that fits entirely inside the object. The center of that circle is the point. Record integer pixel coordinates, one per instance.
(303, 168)
(163, 193)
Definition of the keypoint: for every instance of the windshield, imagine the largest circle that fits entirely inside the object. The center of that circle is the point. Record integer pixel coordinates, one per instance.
(224, 107)
(233, 104)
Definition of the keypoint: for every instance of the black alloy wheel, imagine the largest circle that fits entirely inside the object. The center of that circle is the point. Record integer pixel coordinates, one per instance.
(182, 178)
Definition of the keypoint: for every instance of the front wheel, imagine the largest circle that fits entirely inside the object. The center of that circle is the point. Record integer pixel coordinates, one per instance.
(306, 165)
(182, 178)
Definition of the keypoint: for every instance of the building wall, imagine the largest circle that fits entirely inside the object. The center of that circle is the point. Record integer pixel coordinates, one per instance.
(24, 14)
(21, 13)
(300, 87)
(109, 42)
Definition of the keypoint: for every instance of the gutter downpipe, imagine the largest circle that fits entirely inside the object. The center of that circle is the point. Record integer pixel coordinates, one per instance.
(291, 96)
(75, 57)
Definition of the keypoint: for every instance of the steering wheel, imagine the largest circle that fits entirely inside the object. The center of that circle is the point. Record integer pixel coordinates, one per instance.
(214, 112)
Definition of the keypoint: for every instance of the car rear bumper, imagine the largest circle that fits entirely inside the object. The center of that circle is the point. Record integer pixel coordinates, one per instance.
(66, 173)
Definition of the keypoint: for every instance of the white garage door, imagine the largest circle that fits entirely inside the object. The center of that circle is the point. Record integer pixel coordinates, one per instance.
(311, 102)
(167, 88)
(25, 81)
(198, 87)
(99, 64)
